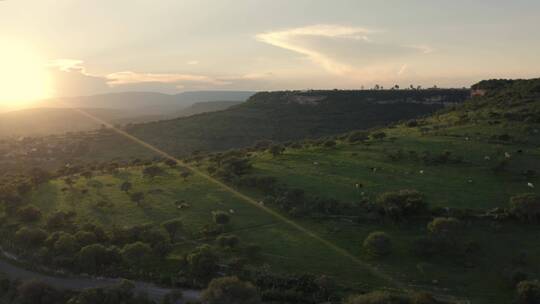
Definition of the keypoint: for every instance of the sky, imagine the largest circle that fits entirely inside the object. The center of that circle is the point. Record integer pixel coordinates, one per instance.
(52, 48)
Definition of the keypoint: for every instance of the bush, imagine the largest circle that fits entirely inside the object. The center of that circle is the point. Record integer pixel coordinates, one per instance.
(173, 227)
(402, 203)
(358, 136)
(136, 253)
(221, 217)
(202, 262)
(528, 292)
(229, 241)
(329, 143)
(29, 214)
(36, 292)
(31, 237)
(446, 228)
(378, 244)
(66, 245)
(230, 290)
(526, 207)
(85, 238)
(378, 297)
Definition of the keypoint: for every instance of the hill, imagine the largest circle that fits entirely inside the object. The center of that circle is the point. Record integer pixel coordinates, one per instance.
(284, 116)
(145, 103)
(445, 189)
(204, 107)
(55, 116)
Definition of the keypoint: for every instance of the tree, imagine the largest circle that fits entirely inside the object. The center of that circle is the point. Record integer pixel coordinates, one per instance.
(276, 150)
(85, 238)
(137, 197)
(152, 171)
(230, 290)
(329, 143)
(358, 136)
(87, 174)
(92, 257)
(445, 228)
(526, 207)
(66, 244)
(39, 176)
(378, 135)
(202, 262)
(221, 217)
(377, 297)
(37, 292)
(173, 227)
(185, 174)
(378, 244)
(136, 253)
(398, 204)
(126, 186)
(31, 237)
(528, 292)
(230, 241)
(171, 163)
(29, 214)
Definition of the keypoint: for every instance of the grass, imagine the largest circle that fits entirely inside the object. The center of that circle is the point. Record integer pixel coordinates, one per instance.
(283, 247)
(333, 173)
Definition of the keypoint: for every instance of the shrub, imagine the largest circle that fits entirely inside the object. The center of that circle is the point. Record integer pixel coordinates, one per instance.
(152, 171)
(173, 227)
(526, 207)
(276, 150)
(358, 136)
(136, 253)
(230, 290)
(230, 241)
(378, 297)
(31, 237)
(402, 203)
(528, 292)
(447, 228)
(85, 238)
(329, 143)
(66, 244)
(202, 262)
(221, 217)
(29, 214)
(378, 244)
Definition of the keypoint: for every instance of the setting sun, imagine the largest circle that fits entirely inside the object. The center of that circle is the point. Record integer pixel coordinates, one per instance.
(23, 76)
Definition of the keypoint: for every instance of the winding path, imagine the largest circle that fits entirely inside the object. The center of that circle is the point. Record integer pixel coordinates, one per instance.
(154, 292)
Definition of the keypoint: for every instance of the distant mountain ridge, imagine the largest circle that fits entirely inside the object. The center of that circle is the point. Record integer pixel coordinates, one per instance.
(282, 116)
(55, 116)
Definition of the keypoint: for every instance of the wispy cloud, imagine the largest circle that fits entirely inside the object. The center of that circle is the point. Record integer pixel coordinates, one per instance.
(288, 39)
(67, 65)
(384, 58)
(129, 77)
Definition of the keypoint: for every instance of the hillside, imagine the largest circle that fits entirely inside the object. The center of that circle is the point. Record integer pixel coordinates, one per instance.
(55, 116)
(204, 107)
(145, 103)
(283, 116)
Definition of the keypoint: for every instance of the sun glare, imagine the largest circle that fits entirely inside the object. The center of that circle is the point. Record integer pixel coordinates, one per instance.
(23, 76)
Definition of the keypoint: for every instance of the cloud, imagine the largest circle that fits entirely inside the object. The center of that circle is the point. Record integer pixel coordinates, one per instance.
(71, 78)
(403, 69)
(193, 62)
(288, 39)
(67, 65)
(345, 51)
(129, 77)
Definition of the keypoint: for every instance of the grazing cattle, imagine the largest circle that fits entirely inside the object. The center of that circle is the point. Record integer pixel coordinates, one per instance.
(421, 171)
(507, 155)
(530, 185)
(487, 157)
